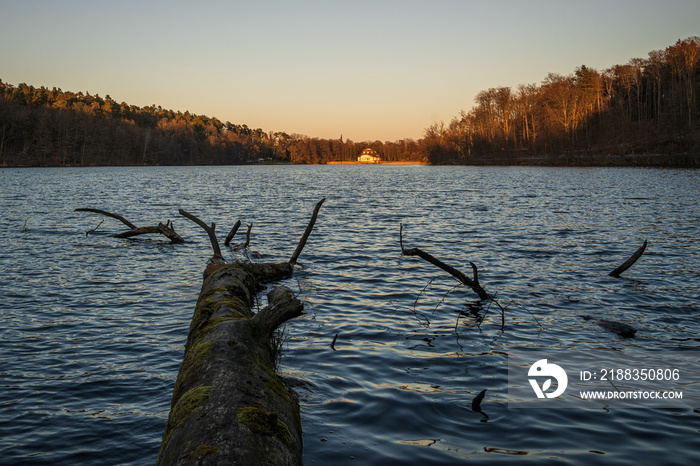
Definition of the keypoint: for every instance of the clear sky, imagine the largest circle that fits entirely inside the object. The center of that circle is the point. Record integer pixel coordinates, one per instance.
(368, 70)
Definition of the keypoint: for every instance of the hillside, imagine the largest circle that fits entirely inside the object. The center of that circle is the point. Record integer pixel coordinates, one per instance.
(643, 113)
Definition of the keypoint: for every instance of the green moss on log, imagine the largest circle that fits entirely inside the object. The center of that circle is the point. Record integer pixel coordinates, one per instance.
(187, 405)
(263, 422)
(204, 450)
(197, 353)
(235, 307)
(227, 394)
(209, 326)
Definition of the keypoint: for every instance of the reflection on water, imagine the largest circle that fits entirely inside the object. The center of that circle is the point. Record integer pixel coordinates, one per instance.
(93, 327)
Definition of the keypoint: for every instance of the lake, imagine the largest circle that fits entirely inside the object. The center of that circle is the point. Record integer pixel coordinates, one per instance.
(93, 328)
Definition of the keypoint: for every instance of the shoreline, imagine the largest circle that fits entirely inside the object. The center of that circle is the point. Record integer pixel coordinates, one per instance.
(355, 162)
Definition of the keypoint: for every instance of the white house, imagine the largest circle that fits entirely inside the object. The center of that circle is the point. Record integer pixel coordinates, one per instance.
(368, 156)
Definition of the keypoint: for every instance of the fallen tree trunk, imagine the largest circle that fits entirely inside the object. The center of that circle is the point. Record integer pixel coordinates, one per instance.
(229, 406)
(166, 229)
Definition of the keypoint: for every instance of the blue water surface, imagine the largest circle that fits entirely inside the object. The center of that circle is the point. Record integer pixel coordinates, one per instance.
(92, 328)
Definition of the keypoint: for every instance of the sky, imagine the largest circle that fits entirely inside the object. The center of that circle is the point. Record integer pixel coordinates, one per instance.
(364, 70)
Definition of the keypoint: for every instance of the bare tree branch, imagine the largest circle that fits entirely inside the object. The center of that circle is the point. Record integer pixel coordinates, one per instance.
(87, 233)
(108, 214)
(629, 262)
(166, 230)
(307, 233)
(232, 233)
(209, 229)
(473, 284)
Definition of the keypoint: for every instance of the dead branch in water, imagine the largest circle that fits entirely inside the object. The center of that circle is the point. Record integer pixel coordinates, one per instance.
(307, 233)
(462, 278)
(108, 214)
(247, 236)
(209, 229)
(244, 246)
(476, 402)
(629, 262)
(232, 233)
(334, 340)
(166, 229)
(87, 233)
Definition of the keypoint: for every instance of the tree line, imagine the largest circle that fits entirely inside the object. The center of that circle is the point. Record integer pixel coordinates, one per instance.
(52, 127)
(647, 106)
(40, 126)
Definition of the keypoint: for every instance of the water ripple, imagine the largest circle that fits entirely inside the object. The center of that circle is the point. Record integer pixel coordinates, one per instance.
(93, 327)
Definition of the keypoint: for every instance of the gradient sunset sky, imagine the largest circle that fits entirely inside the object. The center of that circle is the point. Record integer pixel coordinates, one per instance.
(365, 69)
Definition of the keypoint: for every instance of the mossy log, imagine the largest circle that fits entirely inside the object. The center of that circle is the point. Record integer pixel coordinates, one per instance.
(229, 406)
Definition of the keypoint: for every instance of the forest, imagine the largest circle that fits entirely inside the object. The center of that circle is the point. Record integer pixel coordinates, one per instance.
(645, 112)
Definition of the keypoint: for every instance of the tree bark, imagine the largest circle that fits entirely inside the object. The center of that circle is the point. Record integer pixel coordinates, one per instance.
(229, 406)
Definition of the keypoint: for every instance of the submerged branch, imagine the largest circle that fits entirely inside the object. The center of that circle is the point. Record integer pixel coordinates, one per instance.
(209, 229)
(473, 284)
(87, 233)
(307, 233)
(108, 214)
(166, 230)
(629, 262)
(232, 233)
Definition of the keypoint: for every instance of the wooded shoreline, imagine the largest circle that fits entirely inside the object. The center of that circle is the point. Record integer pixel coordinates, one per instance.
(591, 161)
(644, 113)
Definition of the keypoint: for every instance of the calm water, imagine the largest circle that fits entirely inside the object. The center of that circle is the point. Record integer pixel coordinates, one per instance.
(92, 328)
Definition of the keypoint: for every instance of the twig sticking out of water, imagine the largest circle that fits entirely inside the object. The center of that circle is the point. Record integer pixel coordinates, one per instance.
(307, 233)
(416, 313)
(244, 246)
(476, 402)
(87, 233)
(333, 342)
(476, 405)
(503, 313)
(232, 233)
(471, 283)
(629, 262)
(209, 229)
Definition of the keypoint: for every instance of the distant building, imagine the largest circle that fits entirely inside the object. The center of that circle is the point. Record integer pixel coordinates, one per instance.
(368, 156)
